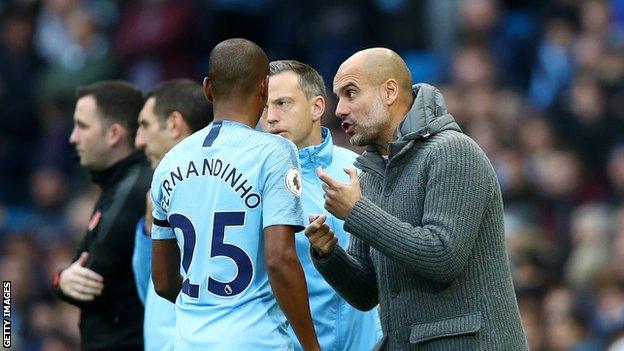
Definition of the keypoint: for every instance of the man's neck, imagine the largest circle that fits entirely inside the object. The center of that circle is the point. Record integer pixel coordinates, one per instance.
(237, 111)
(315, 137)
(382, 146)
(119, 155)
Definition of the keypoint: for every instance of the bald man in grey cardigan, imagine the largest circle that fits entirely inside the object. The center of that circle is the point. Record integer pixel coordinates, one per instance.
(426, 217)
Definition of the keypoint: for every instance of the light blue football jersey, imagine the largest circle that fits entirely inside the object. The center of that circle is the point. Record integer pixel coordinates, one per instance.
(214, 192)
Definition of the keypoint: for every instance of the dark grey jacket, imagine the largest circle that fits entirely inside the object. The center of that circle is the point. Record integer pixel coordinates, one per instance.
(428, 243)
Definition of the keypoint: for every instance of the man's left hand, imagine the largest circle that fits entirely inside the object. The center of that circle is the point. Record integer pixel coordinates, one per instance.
(340, 198)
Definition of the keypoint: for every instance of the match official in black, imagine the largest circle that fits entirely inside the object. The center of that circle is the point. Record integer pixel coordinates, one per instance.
(100, 280)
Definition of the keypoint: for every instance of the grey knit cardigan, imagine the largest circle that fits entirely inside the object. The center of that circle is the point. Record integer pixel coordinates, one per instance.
(427, 240)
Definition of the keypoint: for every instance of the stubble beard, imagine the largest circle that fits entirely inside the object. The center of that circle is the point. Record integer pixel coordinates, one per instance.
(373, 123)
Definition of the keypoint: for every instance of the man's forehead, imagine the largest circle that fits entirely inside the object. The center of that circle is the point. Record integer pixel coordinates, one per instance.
(86, 103)
(275, 94)
(86, 108)
(353, 67)
(350, 76)
(148, 109)
(284, 81)
(284, 85)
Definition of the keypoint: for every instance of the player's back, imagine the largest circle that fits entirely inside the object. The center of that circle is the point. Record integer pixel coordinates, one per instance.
(218, 189)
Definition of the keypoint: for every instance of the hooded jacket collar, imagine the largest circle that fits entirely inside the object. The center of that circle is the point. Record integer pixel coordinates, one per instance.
(321, 155)
(427, 116)
(107, 177)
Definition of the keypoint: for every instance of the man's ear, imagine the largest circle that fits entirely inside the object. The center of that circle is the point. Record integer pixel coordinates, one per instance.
(115, 135)
(208, 89)
(390, 91)
(318, 107)
(264, 89)
(176, 125)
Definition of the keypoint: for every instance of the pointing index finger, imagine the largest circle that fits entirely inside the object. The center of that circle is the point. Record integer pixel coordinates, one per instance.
(326, 178)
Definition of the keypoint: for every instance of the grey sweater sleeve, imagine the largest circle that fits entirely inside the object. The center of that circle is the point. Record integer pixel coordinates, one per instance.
(460, 184)
(350, 273)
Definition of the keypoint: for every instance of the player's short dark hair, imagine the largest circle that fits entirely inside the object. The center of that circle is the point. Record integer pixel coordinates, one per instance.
(236, 68)
(184, 96)
(117, 102)
(310, 81)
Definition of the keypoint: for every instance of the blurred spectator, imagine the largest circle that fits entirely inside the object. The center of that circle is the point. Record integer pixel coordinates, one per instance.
(609, 311)
(584, 125)
(76, 50)
(566, 326)
(570, 332)
(507, 33)
(473, 67)
(591, 234)
(54, 150)
(531, 323)
(554, 68)
(531, 259)
(19, 70)
(154, 41)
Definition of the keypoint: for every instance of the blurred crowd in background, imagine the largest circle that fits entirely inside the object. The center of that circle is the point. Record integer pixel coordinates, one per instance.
(538, 84)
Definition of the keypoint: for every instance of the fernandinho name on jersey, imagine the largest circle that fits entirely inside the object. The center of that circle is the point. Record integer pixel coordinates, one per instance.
(213, 167)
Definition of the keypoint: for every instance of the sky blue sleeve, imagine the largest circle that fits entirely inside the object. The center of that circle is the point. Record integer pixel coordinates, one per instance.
(161, 230)
(142, 259)
(283, 187)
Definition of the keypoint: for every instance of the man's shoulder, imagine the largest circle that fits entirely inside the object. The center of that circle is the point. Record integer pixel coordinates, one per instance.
(449, 136)
(255, 141)
(136, 176)
(265, 148)
(275, 148)
(145, 168)
(182, 150)
(277, 141)
(190, 142)
(453, 141)
(252, 143)
(164, 166)
(139, 162)
(450, 147)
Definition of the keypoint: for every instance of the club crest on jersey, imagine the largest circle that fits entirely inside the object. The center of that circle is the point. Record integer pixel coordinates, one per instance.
(95, 219)
(293, 181)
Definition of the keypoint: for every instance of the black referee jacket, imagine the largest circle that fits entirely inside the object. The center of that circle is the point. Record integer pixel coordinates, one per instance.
(114, 320)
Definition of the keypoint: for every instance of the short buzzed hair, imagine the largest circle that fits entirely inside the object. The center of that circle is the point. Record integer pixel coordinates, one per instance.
(310, 81)
(237, 66)
(184, 96)
(117, 102)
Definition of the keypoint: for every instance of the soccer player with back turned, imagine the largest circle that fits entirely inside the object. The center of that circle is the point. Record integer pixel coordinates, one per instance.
(229, 196)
